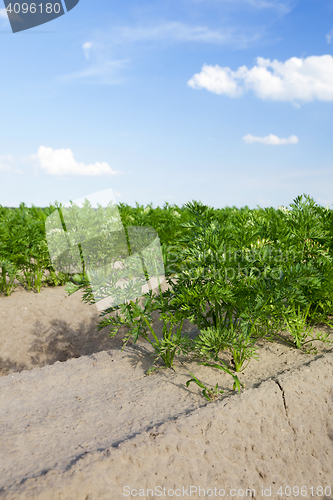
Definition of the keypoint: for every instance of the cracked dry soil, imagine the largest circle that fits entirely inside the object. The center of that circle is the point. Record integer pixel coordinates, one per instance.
(87, 427)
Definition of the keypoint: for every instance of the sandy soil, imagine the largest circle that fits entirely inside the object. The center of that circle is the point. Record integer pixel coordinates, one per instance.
(86, 428)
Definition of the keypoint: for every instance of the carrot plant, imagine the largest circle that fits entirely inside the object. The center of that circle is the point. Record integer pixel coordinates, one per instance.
(23, 244)
(239, 275)
(137, 317)
(252, 275)
(210, 291)
(209, 394)
(211, 342)
(8, 275)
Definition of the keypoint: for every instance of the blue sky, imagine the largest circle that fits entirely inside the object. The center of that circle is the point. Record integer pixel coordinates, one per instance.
(225, 101)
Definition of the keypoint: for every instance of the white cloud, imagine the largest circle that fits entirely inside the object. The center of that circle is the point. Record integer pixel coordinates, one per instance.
(296, 79)
(102, 71)
(4, 17)
(86, 49)
(175, 31)
(329, 36)
(179, 32)
(6, 163)
(62, 162)
(271, 139)
(217, 80)
(282, 7)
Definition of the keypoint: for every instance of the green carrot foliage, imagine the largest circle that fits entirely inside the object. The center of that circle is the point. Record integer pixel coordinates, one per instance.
(239, 275)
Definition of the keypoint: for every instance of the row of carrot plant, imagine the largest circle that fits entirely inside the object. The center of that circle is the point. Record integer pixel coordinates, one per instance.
(239, 275)
(24, 254)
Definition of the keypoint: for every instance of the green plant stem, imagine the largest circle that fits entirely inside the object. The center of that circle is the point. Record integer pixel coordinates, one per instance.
(151, 331)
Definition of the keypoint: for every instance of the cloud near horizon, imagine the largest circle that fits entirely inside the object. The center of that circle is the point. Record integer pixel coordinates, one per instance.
(272, 140)
(62, 162)
(6, 163)
(296, 79)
